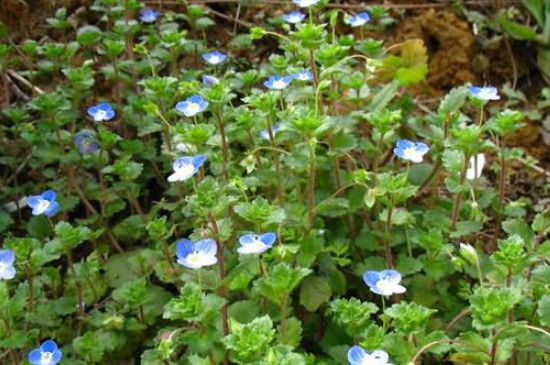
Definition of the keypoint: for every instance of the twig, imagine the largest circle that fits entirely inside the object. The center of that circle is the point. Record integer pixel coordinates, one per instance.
(535, 167)
(230, 18)
(24, 81)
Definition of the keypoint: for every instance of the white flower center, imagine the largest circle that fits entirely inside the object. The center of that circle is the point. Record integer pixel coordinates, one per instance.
(384, 285)
(186, 169)
(279, 84)
(214, 59)
(46, 357)
(2, 266)
(43, 204)
(410, 153)
(100, 115)
(193, 108)
(195, 258)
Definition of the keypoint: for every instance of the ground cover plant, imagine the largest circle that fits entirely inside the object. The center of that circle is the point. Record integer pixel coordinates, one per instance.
(170, 197)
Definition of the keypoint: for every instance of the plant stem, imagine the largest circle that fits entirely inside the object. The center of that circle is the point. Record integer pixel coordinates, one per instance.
(283, 316)
(78, 287)
(387, 241)
(280, 198)
(310, 187)
(225, 149)
(501, 191)
(458, 196)
(221, 270)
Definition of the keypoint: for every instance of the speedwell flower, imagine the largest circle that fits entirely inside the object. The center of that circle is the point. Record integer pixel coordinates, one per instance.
(44, 203)
(305, 3)
(484, 93)
(149, 15)
(195, 255)
(214, 57)
(476, 166)
(209, 80)
(294, 17)
(192, 106)
(304, 75)
(101, 112)
(278, 82)
(7, 271)
(252, 243)
(413, 151)
(185, 167)
(359, 19)
(358, 356)
(385, 282)
(46, 354)
(85, 142)
(265, 133)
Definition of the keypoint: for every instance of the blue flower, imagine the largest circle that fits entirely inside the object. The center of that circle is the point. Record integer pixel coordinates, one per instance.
(44, 203)
(7, 271)
(413, 151)
(359, 19)
(85, 142)
(185, 167)
(358, 356)
(209, 80)
(385, 282)
(195, 255)
(46, 354)
(101, 112)
(214, 57)
(252, 243)
(294, 17)
(192, 105)
(149, 15)
(484, 93)
(265, 133)
(305, 3)
(278, 82)
(304, 75)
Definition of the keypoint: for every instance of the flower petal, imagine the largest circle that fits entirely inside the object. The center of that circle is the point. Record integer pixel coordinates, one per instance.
(268, 238)
(7, 257)
(207, 247)
(48, 346)
(198, 161)
(52, 209)
(35, 356)
(184, 247)
(48, 195)
(392, 276)
(371, 277)
(404, 144)
(380, 356)
(356, 355)
(7, 273)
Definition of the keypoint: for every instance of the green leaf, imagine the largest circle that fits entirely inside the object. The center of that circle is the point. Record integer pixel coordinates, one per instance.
(279, 282)
(314, 292)
(384, 96)
(516, 30)
(454, 100)
(543, 310)
(88, 35)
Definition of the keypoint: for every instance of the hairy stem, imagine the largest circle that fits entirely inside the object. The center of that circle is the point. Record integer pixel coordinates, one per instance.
(458, 196)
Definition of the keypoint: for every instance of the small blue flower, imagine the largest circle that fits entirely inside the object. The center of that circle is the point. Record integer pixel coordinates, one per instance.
(385, 282)
(192, 105)
(195, 255)
(101, 112)
(358, 356)
(305, 3)
(46, 354)
(149, 15)
(85, 142)
(44, 203)
(304, 75)
(278, 82)
(484, 93)
(185, 167)
(412, 151)
(209, 80)
(252, 243)
(214, 57)
(359, 19)
(294, 17)
(265, 133)
(7, 271)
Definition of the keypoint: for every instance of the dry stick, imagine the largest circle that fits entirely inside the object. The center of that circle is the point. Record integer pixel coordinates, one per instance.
(229, 17)
(221, 269)
(24, 81)
(458, 196)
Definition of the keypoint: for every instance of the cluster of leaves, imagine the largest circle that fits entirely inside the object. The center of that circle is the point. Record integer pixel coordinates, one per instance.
(311, 159)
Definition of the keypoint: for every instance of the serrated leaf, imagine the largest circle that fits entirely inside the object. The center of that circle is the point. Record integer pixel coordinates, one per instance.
(314, 291)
